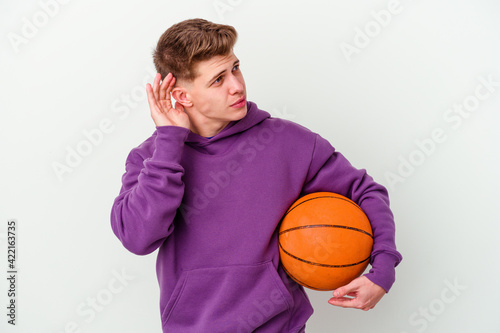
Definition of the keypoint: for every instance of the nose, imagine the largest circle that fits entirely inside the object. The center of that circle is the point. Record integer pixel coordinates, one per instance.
(236, 84)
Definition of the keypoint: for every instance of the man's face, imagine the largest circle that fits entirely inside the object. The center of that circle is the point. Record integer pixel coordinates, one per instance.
(218, 93)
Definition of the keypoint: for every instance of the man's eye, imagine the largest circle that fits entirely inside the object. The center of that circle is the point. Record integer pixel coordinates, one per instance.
(237, 67)
(219, 79)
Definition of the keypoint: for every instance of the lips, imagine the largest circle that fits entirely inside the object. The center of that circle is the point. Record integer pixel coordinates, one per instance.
(240, 103)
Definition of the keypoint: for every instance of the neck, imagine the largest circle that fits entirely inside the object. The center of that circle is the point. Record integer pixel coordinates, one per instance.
(208, 130)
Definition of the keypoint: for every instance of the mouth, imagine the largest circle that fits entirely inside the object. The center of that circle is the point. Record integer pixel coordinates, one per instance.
(240, 103)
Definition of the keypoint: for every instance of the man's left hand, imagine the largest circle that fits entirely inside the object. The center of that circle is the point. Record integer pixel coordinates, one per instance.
(362, 294)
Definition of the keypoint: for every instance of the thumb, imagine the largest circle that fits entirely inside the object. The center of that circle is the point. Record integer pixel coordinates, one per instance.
(344, 290)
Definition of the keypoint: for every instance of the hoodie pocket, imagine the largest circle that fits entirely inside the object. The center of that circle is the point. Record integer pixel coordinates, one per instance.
(236, 298)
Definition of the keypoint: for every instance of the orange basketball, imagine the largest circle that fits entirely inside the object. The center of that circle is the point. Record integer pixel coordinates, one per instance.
(325, 241)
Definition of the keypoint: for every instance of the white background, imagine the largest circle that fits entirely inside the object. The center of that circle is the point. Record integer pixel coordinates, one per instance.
(77, 68)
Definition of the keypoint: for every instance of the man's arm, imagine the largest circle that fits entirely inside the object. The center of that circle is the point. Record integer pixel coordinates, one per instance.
(331, 171)
(152, 188)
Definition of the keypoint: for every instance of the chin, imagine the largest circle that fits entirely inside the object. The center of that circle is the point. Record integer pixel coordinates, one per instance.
(241, 113)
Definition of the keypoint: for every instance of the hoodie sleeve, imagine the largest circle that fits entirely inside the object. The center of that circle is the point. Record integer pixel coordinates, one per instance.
(152, 189)
(331, 171)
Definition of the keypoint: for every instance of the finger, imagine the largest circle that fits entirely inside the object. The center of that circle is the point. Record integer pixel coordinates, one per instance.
(151, 99)
(164, 86)
(347, 302)
(168, 98)
(343, 291)
(150, 94)
(156, 84)
(351, 287)
(170, 86)
(368, 307)
(343, 302)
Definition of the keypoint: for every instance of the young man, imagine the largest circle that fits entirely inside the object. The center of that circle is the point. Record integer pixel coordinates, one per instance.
(211, 184)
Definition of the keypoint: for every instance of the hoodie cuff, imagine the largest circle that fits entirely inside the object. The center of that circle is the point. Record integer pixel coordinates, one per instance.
(169, 143)
(383, 271)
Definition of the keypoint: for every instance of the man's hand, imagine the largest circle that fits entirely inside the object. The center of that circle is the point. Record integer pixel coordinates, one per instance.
(160, 104)
(363, 293)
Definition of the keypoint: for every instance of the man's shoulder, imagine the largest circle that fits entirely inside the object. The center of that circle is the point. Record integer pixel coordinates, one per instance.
(289, 128)
(297, 136)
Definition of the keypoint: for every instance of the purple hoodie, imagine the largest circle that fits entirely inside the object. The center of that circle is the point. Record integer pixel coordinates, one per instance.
(212, 207)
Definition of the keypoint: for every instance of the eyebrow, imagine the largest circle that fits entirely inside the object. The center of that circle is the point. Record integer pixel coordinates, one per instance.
(222, 72)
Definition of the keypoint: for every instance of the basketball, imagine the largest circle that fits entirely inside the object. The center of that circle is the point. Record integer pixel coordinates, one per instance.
(325, 241)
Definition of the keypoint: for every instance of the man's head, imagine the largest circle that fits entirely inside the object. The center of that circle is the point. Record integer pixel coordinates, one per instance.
(209, 83)
(188, 42)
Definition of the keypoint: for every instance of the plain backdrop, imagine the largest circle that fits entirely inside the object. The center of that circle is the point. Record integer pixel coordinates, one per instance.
(397, 86)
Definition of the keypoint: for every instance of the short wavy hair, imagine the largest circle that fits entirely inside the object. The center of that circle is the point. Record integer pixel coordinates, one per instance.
(186, 43)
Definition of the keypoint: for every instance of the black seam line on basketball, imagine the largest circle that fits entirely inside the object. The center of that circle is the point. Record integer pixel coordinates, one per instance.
(322, 265)
(297, 280)
(322, 197)
(326, 225)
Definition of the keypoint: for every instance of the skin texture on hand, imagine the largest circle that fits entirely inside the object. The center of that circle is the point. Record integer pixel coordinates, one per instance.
(160, 104)
(361, 294)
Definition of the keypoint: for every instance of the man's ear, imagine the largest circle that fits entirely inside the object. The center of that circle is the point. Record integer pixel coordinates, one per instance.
(180, 95)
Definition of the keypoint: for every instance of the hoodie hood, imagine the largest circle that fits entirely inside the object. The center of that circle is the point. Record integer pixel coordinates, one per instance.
(253, 117)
